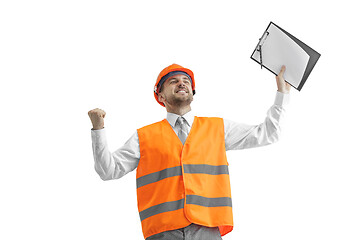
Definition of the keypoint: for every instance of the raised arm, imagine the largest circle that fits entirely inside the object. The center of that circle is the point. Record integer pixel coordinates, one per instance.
(107, 164)
(241, 136)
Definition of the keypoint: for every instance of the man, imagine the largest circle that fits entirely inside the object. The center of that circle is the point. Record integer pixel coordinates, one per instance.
(183, 185)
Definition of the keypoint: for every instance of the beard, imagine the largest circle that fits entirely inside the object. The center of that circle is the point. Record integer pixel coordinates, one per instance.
(180, 101)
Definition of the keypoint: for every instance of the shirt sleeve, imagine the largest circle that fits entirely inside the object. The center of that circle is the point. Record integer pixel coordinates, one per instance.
(241, 136)
(117, 164)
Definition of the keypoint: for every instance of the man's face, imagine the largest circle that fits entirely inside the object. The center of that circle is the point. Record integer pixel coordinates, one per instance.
(176, 91)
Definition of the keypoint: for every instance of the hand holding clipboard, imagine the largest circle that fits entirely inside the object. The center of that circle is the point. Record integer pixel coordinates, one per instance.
(282, 85)
(277, 47)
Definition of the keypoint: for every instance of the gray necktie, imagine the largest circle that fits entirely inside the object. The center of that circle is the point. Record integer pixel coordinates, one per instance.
(183, 131)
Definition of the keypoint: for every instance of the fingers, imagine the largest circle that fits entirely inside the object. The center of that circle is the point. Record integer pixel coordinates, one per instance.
(102, 113)
(97, 112)
(283, 68)
(280, 76)
(97, 118)
(282, 85)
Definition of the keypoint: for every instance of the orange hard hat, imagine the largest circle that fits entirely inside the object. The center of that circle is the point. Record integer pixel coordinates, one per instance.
(165, 73)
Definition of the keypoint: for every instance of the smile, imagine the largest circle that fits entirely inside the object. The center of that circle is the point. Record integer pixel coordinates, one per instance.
(181, 91)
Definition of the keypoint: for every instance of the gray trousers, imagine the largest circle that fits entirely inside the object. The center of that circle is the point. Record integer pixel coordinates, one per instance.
(191, 232)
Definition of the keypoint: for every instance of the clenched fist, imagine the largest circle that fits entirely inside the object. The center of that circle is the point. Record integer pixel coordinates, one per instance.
(97, 118)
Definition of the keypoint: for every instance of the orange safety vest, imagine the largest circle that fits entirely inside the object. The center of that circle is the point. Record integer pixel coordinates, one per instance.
(182, 184)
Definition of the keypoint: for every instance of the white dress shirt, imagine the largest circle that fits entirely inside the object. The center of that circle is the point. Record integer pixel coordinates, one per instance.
(237, 136)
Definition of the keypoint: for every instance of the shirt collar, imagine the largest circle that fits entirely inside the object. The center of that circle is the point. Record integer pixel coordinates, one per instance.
(172, 117)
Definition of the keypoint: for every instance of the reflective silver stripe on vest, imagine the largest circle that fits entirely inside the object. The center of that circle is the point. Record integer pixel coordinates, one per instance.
(157, 176)
(208, 202)
(160, 208)
(176, 171)
(206, 169)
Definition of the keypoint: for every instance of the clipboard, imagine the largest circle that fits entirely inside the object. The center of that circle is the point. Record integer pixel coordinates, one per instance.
(277, 47)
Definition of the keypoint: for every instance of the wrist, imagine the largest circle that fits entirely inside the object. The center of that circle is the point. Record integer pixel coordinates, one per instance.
(97, 127)
(284, 91)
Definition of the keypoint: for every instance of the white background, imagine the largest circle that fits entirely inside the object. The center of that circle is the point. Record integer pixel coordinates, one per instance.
(59, 59)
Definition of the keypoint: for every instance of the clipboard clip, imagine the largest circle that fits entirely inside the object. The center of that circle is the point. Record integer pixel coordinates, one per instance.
(261, 42)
